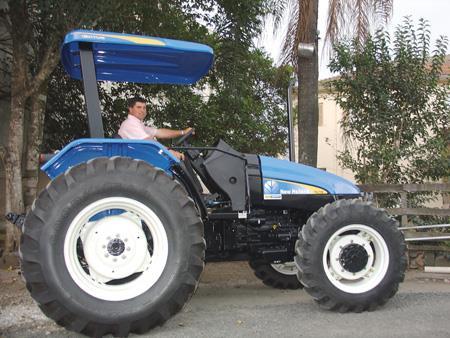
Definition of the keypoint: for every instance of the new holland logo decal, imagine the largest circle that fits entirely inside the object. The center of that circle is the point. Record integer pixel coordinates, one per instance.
(275, 189)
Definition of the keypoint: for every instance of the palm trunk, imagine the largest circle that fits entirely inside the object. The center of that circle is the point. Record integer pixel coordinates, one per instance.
(308, 76)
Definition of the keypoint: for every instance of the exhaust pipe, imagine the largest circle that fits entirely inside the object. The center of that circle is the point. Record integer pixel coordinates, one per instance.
(290, 121)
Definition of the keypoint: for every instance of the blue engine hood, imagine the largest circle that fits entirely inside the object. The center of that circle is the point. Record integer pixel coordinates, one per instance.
(294, 172)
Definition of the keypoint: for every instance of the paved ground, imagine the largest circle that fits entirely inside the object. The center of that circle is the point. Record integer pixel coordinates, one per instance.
(230, 302)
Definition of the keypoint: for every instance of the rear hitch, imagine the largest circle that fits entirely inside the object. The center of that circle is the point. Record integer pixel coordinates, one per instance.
(16, 219)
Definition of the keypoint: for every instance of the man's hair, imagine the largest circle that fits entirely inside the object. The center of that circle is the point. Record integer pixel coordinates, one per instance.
(132, 101)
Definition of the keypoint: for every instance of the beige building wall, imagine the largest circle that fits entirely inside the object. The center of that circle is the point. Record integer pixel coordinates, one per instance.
(330, 140)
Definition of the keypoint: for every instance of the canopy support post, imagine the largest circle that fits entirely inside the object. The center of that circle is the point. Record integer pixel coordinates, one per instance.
(91, 91)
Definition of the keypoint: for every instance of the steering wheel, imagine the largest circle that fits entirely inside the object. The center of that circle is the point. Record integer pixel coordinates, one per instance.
(183, 138)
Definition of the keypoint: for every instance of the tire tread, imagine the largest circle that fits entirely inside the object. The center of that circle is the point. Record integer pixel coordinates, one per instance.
(306, 263)
(37, 218)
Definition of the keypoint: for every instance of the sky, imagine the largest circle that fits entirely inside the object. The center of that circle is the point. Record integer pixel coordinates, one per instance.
(437, 12)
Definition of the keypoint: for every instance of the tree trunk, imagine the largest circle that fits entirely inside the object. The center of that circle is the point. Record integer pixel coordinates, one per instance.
(308, 78)
(24, 87)
(14, 201)
(34, 140)
(13, 158)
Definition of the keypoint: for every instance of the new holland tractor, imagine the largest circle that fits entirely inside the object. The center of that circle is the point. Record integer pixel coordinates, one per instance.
(117, 241)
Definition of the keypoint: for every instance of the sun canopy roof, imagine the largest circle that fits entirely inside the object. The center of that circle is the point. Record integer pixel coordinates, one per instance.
(137, 58)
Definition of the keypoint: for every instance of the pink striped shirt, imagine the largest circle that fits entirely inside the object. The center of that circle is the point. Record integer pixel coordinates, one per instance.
(135, 129)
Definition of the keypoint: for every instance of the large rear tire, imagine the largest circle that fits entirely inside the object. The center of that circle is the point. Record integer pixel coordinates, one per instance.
(351, 256)
(112, 246)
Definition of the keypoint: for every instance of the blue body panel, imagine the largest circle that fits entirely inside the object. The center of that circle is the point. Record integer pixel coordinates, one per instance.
(137, 58)
(294, 172)
(83, 150)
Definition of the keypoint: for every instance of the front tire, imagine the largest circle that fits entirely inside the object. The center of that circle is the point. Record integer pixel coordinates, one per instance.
(112, 246)
(279, 276)
(351, 256)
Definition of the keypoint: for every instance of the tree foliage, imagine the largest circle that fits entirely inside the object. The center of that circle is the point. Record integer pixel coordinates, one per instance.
(354, 18)
(241, 99)
(34, 30)
(396, 110)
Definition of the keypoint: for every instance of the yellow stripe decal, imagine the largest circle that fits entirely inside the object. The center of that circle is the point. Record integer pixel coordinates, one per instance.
(138, 40)
(313, 189)
(134, 39)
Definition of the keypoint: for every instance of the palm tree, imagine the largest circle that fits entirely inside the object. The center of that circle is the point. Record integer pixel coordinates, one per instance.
(352, 18)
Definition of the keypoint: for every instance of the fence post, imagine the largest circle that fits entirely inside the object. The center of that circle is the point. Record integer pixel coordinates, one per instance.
(404, 205)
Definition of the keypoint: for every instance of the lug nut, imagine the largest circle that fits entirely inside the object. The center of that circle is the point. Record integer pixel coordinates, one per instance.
(128, 248)
(106, 255)
(123, 256)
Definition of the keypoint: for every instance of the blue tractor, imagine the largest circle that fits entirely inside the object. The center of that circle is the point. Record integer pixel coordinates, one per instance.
(117, 241)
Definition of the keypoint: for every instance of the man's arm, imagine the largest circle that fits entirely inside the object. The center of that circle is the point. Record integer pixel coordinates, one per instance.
(175, 153)
(163, 133)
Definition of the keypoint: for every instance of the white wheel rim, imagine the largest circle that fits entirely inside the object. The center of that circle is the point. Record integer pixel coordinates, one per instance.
(368, 240)
(287, 268)
(116, 247)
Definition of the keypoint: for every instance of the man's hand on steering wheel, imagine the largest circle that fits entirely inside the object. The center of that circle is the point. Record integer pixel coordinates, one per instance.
(188, 132)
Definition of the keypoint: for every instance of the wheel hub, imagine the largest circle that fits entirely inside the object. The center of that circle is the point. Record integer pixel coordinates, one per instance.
(287, 268)
(117, 262)
(116, 247)
(354, 258)
(350, 257)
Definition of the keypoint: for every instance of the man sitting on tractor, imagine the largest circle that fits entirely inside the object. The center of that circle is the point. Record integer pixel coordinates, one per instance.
(134, 128)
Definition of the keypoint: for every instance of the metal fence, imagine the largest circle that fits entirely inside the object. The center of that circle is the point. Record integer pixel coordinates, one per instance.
(415, 233)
